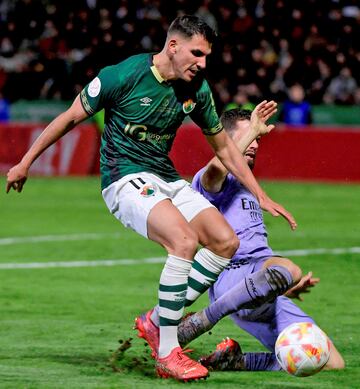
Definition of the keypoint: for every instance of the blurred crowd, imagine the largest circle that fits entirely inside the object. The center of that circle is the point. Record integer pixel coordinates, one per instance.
(52, 48)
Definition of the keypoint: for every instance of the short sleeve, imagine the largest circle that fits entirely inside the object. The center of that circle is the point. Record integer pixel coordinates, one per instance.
(205, 115)
(102, 91)
(214, 198)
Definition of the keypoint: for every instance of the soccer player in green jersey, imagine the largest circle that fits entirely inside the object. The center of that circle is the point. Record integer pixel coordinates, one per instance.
(146, 98)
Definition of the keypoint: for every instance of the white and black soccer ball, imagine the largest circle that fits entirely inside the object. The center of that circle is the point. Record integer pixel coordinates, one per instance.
(302, 349)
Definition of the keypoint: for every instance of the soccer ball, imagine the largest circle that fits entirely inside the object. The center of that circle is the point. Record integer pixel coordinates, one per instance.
(302, 349)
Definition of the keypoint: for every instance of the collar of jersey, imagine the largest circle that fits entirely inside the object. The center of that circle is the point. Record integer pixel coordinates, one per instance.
(157, 74)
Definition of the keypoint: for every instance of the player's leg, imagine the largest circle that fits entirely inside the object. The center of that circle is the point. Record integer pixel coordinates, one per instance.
(287, 313)
(281, 263)
(215, 235)
(250, 292)
(264, 323)
(168, 227)
(219, 243)
(198, 323)
(228, 354)
(335, 361)
(208, 262)
(272, 280)
(143, 204)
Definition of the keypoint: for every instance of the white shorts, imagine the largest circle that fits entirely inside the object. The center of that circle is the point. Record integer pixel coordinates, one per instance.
(131, 199)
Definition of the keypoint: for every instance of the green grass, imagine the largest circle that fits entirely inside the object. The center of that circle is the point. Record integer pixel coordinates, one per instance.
(60, 326)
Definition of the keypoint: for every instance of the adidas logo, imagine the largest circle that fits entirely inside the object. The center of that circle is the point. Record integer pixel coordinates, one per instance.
(145, 101)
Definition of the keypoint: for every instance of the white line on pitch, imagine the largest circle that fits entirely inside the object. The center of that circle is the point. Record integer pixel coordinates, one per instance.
(127, 262)
(57, 238)
(95, 263)
(334, 251)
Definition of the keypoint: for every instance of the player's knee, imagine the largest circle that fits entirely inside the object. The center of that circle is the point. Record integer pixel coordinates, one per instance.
(339, 364)
(184, 244)
(225, 244)
(336, 361)
(335, 365)
(295, 271)
(232, 243)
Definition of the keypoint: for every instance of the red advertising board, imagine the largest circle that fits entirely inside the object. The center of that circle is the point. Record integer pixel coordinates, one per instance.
(308, 153)
(74, 154)
(318, 154)
(321, 154)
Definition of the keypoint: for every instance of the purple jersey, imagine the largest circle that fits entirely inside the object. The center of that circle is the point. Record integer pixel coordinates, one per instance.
(242, 211)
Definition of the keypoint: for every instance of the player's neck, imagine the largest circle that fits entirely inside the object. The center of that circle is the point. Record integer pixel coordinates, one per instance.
(164, 66)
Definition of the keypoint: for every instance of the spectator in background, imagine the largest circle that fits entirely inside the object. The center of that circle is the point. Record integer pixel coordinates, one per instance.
(296, 111)
(4, 109)
(268, 43)
(243, 98)
(342, 89)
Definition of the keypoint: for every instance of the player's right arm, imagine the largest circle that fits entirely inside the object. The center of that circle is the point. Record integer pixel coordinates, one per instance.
(17, 175)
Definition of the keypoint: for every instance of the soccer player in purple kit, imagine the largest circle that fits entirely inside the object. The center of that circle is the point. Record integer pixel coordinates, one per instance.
(254, 271)
(251, 287)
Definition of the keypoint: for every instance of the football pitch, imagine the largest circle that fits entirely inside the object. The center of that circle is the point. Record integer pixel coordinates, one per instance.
(72, 280)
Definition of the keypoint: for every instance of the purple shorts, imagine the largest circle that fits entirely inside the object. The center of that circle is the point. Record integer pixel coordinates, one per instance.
(266, 322)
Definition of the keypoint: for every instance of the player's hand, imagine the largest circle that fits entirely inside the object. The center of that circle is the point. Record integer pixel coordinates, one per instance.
(276, 209)
(16, 177)
(303, 286)
(260, 115)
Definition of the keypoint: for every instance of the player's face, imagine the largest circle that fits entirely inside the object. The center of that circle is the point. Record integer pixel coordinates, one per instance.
(242, 127)
(189, 56)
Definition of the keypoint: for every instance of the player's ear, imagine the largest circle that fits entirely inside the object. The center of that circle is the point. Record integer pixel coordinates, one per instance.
(172, 45)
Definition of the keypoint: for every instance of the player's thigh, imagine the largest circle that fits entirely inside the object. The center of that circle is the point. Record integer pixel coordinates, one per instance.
(262, 331)
(287, 312)
(189, 202)
(143, 202)
(215, 233)
(167, 226)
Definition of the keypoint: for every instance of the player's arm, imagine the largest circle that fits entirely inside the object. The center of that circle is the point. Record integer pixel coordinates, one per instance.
(17, 175)
(215, 172)
(235, 163)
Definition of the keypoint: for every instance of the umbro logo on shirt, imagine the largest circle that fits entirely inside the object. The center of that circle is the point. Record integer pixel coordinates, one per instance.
(145, 101)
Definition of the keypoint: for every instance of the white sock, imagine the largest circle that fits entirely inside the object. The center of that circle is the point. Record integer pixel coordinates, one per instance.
(172, 292)
(204, 272)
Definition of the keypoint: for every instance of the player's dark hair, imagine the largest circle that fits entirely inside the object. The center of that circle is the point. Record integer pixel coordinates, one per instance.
(229, 118)
(190, 25)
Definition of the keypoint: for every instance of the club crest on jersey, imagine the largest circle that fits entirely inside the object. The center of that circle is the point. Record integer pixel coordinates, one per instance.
(188, 106)
(148, 190)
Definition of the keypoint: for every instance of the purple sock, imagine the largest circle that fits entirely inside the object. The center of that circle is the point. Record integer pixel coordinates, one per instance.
(261, 362)
(251, 292)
